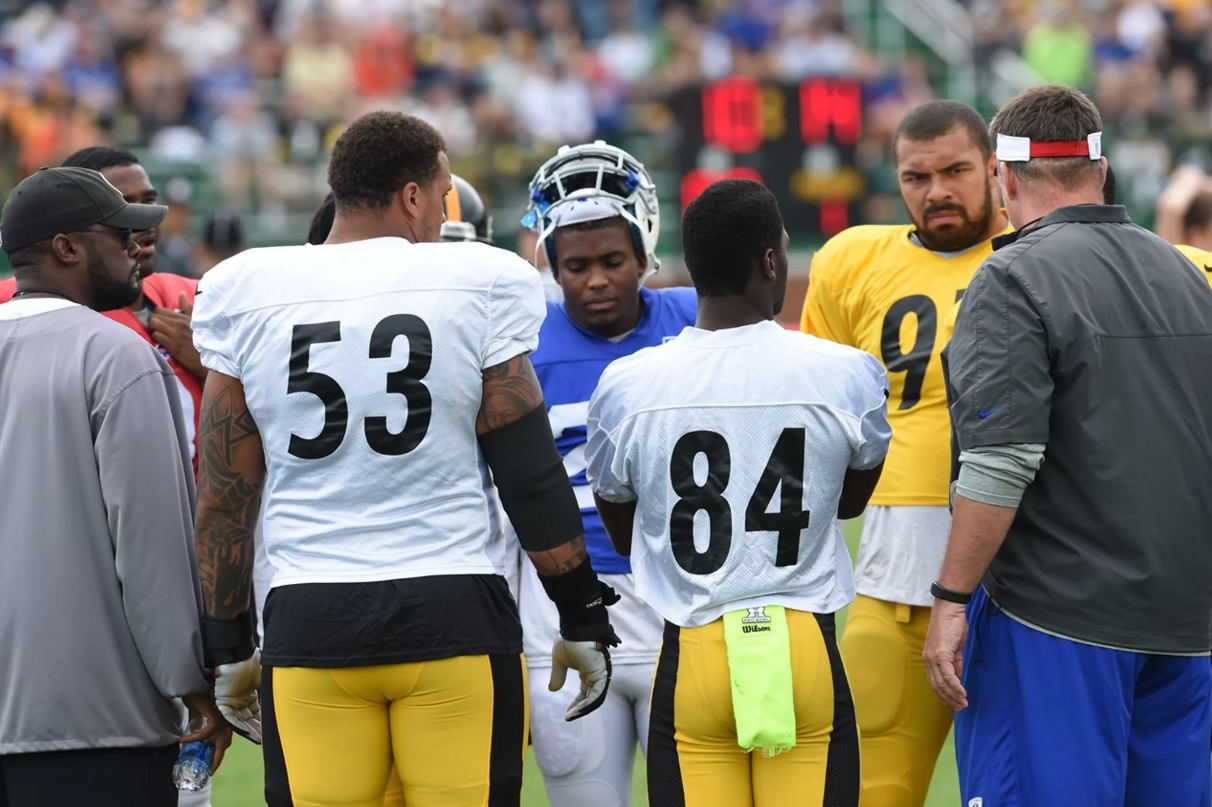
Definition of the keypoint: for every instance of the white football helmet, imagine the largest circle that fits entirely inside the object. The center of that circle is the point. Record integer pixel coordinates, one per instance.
(594, 181)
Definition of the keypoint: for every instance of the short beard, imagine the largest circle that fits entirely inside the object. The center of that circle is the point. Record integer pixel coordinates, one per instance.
(968, 234)
(108, 294)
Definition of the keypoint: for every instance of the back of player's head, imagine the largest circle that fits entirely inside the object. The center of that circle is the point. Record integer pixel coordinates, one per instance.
(1198, 218)
(321, 222)
(98, 158)
(1051, 113)
(726, 232)
(379, 154)
(933, 119)
(223, 232)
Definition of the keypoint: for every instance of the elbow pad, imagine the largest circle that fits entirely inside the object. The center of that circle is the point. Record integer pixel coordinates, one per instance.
(530, 478)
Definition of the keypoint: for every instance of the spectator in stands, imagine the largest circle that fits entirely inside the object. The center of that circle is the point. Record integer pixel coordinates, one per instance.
(1058, 46)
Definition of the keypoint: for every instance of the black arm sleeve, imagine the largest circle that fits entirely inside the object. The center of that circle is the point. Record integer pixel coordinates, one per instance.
(529, 475)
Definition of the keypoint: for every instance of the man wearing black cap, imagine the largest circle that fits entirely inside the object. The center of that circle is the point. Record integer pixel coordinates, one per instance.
(98, 582)
(1072, 617)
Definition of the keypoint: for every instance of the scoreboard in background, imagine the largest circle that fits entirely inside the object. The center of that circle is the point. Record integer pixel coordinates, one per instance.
(797, 139)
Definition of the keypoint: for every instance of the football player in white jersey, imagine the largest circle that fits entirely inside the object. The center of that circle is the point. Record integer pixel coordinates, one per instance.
(731, 451)
(595, 211)
(370, 384)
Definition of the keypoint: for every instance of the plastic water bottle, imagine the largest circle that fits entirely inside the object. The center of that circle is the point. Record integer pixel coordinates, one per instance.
(192, 771)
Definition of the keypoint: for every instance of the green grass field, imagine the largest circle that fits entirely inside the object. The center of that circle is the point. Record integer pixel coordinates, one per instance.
(239, 783)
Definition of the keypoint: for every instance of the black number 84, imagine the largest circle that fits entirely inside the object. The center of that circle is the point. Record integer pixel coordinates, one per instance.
(786, 465)
(406, 382)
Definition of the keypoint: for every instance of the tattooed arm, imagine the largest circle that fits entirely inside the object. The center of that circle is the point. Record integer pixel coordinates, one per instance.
(231, 470)
(511, 392)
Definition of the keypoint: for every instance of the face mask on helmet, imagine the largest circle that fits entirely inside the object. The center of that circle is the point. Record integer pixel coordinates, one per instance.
(594, 173)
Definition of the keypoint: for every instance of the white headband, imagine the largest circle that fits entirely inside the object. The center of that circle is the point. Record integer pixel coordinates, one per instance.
(1021, 149)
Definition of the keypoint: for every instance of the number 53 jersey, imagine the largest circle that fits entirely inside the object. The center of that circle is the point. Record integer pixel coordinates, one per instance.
(875, 288)
(735, 444)
(361, 364)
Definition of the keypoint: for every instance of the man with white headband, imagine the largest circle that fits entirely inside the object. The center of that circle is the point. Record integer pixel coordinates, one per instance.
(594, 210)
(1072, 616)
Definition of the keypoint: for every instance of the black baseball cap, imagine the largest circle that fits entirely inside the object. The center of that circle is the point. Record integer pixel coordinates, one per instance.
(67, 200)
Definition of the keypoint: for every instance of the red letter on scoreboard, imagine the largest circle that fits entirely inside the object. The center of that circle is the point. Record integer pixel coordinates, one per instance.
(696, 181)
(831, 102)
(732, 114)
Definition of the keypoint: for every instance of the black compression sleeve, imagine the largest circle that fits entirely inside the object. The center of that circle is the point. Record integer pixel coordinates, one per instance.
(227, 641)
(529, 475)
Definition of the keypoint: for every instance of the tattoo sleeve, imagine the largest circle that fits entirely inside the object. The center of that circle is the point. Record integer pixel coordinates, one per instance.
(511, 390)
(560, 560)
(231, 469)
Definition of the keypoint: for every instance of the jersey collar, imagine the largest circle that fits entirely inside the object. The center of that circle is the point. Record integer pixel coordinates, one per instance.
(728, 337)
(1073, 214)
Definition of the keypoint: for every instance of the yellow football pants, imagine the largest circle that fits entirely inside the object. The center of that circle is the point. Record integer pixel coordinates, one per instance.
(693, 756)
(447, 733)
(902, 722)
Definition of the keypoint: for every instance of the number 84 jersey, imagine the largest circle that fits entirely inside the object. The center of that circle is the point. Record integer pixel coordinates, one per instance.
(876, 288)
(735, 444)
(361, 364)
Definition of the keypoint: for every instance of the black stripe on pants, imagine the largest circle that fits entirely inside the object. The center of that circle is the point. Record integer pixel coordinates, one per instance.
(508, 732)
(843, 784)
(664, 770)
(277, 783)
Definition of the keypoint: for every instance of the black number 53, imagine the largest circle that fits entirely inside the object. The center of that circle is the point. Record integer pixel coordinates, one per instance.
(406, 382)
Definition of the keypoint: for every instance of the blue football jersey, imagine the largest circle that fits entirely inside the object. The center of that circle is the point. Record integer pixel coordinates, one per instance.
(569, 363)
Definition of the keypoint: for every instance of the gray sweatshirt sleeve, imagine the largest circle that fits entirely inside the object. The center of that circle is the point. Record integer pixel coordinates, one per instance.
(148, 486)
(998, 474)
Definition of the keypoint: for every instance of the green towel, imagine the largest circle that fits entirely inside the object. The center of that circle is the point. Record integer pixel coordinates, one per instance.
(759, 663)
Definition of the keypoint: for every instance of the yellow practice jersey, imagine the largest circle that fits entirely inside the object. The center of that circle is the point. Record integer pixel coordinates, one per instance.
(873, 288)
(1198, 257)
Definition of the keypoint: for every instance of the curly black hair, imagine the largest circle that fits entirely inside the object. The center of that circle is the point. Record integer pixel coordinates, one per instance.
(379, 154)
(726, 231)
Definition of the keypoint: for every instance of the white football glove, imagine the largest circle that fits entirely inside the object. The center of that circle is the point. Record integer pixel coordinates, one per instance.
(592, 663)
(236, 695)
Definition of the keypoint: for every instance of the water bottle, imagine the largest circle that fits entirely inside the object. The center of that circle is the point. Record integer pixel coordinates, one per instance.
(192, 770)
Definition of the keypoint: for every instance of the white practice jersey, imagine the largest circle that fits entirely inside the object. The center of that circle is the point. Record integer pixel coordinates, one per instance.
(361, 364)
(736, 444)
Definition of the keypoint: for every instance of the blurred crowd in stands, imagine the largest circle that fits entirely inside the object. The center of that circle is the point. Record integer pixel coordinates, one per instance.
(251, 92)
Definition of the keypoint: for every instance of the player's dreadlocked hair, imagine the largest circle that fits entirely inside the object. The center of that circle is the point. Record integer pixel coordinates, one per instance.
(726, 231)
(379, 154)
(98, 158)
